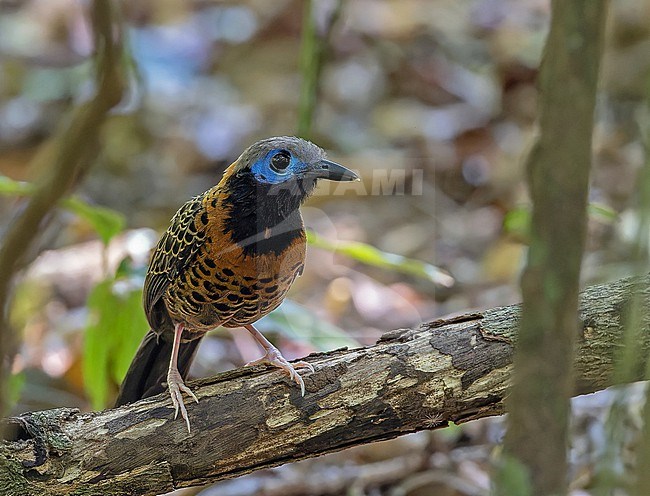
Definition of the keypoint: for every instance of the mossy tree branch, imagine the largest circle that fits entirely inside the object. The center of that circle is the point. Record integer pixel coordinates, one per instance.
(412, 379)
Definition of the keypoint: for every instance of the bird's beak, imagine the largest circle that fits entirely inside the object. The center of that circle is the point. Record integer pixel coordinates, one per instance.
(326, 169)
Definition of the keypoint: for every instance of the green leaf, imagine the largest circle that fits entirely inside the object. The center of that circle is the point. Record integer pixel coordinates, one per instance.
(130, 327)
(96, 343)
(10, 187)
(452, 431)
(602, 212)
(512, 478)
(370, 255)
(108, 223)
(15, 385)
(116, 326)
(517, 221)
(299, 323)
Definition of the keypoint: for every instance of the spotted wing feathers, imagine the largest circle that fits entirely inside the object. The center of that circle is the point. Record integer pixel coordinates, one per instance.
(174, 252)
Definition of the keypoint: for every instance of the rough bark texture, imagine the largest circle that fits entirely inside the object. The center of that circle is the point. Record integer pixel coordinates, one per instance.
(558, 179)
(412, 379)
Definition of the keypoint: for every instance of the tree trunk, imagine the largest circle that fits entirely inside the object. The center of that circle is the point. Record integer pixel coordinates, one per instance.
(558, 180)
(62, 162)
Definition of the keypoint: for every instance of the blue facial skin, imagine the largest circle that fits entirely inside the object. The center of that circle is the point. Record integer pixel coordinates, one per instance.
(264, 173)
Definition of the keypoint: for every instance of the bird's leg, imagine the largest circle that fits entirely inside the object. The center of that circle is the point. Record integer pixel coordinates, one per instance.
(175, 381)
(273, 356)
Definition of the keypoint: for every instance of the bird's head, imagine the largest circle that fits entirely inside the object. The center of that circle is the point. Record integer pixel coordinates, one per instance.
(278, 174)
(287, 159)
(270, 180)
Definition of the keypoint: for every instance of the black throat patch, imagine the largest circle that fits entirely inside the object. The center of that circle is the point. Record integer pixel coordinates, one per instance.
(264, 218)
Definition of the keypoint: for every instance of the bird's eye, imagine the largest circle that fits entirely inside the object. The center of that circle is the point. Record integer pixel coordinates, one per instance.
(280, 161)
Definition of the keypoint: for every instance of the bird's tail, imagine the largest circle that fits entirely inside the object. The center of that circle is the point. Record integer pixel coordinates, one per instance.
(148, 369)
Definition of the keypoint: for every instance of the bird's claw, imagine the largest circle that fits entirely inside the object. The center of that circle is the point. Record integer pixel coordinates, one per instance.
(176, 389)
(275, 358)
(306, 365)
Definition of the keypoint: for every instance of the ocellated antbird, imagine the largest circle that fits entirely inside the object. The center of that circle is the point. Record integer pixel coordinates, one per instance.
(227, 259)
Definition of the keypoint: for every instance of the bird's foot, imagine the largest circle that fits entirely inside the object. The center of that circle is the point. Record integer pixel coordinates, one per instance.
(176, 388)
(275, 358)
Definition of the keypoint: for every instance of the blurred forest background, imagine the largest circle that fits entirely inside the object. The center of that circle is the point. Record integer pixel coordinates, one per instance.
(439, 94)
